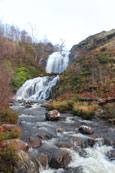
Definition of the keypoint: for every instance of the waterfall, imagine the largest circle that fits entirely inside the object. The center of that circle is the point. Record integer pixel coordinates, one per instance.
(37, 89)
(57, 62)
(40, 88)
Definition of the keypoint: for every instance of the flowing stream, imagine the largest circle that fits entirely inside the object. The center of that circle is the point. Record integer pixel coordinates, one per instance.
(88, 152)
(63, 134)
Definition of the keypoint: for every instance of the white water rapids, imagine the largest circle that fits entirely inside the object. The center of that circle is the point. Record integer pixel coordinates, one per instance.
(37, 89)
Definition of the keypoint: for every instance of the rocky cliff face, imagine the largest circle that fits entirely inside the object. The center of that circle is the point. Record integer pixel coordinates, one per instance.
(103, 40)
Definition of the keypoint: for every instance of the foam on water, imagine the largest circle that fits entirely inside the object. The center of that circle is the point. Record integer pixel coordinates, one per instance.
(96, 162)
(37, 89)
(57, 62)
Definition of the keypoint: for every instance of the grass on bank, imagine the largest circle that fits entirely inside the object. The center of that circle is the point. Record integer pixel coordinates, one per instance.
(83, 109)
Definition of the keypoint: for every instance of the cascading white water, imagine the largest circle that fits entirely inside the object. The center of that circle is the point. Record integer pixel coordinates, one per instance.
(37, 89)
(57, 62)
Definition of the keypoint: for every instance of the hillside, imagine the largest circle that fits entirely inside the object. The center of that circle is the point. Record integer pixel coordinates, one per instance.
(93, 72)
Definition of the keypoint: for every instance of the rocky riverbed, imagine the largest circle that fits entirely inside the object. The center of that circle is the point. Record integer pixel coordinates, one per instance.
(66, 145)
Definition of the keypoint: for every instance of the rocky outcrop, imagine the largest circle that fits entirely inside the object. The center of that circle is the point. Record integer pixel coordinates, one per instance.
(25, 163)
(92, 42)
(52, 115)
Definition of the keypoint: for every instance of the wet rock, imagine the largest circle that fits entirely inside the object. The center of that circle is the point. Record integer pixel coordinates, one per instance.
(43, 159)
(83, 153)
(52, 115)
(60, 159)
(73, 170)
(25, 164)
(108, 141)
(86, 130)
(19, 144)
(111, 154)
(45, 134)
(34, 142)
(57, 158)
(85, 142)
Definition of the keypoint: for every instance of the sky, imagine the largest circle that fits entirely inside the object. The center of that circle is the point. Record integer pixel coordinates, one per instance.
(68, 20)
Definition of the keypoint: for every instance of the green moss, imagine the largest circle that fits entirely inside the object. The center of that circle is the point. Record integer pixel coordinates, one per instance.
(21, 74)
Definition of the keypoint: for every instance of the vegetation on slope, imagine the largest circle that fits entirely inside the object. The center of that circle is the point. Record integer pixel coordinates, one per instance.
(92, 75)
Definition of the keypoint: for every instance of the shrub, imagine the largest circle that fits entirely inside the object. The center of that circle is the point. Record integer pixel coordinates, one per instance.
(8, 116)
(8, 157)
(15, 133)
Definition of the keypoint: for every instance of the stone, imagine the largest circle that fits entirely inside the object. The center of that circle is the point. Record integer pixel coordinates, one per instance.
(25, 163)
(73, 170)
(19, 144)
(42, 159)
(86, 130)
(57, 158)
(60, 159)
(52, 115)
(85, 142)
(108, 141)
(111, 154)
(34, 142)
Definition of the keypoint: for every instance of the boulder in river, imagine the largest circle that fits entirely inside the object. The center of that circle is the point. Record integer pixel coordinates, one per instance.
(60, 159)
(86, 130)
(57, 158)
(34, 142)
(52, 115)
(111, 154)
